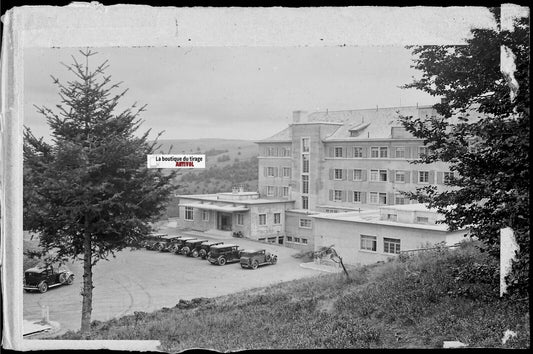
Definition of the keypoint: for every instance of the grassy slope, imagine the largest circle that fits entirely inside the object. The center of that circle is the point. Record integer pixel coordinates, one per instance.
(419, 302)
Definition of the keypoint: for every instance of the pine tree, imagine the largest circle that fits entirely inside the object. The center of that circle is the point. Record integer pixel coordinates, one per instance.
(89, 193)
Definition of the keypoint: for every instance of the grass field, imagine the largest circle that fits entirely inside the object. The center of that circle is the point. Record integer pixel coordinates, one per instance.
(417, 302)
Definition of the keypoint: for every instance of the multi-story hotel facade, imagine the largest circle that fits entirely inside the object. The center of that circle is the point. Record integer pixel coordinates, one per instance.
(347, 160)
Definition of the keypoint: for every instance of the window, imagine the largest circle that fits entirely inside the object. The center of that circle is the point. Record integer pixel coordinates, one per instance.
(205, 215)
(289, 238)
(392, 217)
(383, 152)
(400, 199)
(285, 191)
(422, 220)
(304, 240)
(270, 171)
(338, 173)
(189, 213)
(305, 164)
(357, 151)
(422, 150)
(271, 151)
(400, 153)
(305, 202)
(270, 191)
(378, 198)
(271, 240)
(357, 175)
(305, 144)
(378, 175)
(357, 197)
(305, 184)
(332, 211)
(285, 152)
(240, 219)
(305, 223)
(277, 218)
(286, 171)
(261, 239)
(262, 219)
(374, 152)
(338, 152)
(337, 196)
(447, 176)
(423, 176)
(368, 243)
(296, 239)
(391, 245)
(399, 176)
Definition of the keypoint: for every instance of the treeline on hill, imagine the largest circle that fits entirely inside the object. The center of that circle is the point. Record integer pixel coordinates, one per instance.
(220, 179)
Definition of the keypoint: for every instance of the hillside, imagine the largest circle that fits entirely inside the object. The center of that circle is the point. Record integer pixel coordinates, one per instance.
(411, 302)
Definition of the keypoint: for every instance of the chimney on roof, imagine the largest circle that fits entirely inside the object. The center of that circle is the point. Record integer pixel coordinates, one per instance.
(297, 116)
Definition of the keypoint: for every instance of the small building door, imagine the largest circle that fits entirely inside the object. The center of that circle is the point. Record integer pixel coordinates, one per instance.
(224, 221)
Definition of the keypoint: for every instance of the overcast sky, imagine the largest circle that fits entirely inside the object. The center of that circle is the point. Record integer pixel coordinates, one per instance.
(242, 92)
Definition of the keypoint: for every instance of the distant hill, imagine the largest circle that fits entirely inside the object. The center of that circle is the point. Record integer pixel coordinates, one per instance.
(219, 152)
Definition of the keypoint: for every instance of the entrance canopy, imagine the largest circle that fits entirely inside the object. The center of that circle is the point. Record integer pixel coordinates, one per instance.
(222, 208)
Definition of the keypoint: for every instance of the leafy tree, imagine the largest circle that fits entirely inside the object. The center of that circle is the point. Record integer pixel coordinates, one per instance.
(483, 132)
(90, 194)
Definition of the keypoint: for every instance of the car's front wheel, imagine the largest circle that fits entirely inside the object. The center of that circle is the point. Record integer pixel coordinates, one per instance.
(222, 261)
(274, 260)
(184, 251)
(195, 254)
(255, 264)
(70, 279)
(43, 287)
(159, 247)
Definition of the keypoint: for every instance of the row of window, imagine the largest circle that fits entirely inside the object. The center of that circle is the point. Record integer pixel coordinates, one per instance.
(280, 151)
(337, 195)
(296, 239)
(263, 219)
(390, 245)
(398, 176)
(277, 171)
(378, 152)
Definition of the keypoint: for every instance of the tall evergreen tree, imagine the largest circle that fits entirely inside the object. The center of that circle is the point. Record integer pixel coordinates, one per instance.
(89, 193)
(483, 132)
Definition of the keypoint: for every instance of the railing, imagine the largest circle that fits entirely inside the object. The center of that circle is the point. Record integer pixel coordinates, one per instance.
(414, 251)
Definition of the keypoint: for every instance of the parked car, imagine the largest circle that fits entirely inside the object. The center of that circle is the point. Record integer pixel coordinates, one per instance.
(222, 254)
(190, 248)
(178, 244)
(253, 259)
(152, 240)
(165, 243)
(205, 247)
(44, 276)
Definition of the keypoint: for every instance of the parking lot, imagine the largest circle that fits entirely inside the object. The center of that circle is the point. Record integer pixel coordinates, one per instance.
(143, 280)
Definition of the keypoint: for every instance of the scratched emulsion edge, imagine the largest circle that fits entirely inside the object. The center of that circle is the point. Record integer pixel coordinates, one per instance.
(84, 24)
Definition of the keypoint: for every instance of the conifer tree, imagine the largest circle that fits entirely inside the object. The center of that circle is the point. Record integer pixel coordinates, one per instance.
(89, 193)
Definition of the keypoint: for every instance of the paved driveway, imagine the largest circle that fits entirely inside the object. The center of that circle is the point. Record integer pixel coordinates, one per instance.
(144, 280)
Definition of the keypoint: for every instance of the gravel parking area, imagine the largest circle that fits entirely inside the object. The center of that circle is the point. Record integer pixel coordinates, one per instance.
(143, 280)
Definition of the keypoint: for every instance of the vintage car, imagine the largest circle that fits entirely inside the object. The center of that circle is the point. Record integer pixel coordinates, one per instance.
(254, 258)
(204, 248)
(166, 243)
(44, 276)
(190, 248)
(178, 244)
(222, 254)
(152, 240)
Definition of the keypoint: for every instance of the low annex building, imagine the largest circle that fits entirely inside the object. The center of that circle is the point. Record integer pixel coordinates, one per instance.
(224, 213)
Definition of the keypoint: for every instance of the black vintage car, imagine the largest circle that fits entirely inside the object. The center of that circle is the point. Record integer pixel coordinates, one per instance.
(166, 243)
(253, 259)
(190, 248)
(205, 247)
(152, 240)
(44, 276)
(222, 254)
(178, 244)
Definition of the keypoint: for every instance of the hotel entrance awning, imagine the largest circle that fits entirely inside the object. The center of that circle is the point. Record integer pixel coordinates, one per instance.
(223, 208)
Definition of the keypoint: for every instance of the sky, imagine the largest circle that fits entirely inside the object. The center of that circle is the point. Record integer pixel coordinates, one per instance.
(232, 92)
